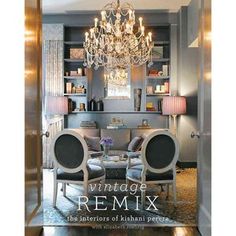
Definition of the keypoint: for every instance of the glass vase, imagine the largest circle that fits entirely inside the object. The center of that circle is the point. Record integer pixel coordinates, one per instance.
(106, 149)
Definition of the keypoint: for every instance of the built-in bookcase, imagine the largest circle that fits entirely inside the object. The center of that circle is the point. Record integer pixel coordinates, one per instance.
(73, 39)
(157, 80)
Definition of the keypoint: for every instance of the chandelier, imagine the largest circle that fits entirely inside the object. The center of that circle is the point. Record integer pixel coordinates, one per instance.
(115, 41)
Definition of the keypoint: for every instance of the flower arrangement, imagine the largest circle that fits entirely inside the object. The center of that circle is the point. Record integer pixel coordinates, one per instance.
(106, 141)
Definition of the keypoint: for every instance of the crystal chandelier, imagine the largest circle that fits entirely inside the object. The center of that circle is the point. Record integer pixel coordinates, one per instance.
(115, 42)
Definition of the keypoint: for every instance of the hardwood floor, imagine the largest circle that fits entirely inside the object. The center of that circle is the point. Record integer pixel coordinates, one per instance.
(83, 231)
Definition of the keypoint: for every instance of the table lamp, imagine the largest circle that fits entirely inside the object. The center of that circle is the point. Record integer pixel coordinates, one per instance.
(56, 105)
(173, 106)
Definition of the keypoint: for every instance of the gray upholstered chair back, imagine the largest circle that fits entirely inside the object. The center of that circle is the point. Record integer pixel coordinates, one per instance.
(160, 151)
(69, 151)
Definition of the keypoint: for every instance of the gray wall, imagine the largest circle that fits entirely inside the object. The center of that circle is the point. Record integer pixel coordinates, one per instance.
(193, 21)
(187, 85)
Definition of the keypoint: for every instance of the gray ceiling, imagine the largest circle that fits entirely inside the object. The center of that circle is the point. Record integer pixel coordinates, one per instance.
(65, 6)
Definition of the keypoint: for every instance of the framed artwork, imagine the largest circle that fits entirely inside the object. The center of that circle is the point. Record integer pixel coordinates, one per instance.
(117, 84)
(116, 120)
(149, 90)
(157, 52)
(77, 53)
(145, 122)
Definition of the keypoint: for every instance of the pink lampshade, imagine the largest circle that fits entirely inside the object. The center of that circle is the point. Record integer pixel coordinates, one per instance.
(174, 105)
(56, 105)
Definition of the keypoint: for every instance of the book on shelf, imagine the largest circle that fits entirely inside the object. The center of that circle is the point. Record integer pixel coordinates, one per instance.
(88, 124)
(157, 52)
(116, 126)
(151, 109)
(165, 70)
(69, 86)
(71, 105)
(166, 86)
(159, 105)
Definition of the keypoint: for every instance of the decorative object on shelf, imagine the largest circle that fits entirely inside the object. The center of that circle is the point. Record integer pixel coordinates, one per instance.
(92, 104)
(165, 70)
(137, 99)
(82, 107)
(162, 88)
(156, 73)
(150, 106)
(73, 73)
(80, 89)
(158, 88)
(166, 84)
(106, 143)
(153, 72)
(77, 53)
(69, 86)
(116, 44)
(116, 123)
(85, 71)
(100, 105)
(173, 106)
(90, 124)
(71, 105)
(73, 89)
(157, 52)
(80, 71)
(144, 124)
(149, 90)
(159, 105)
(67, 73)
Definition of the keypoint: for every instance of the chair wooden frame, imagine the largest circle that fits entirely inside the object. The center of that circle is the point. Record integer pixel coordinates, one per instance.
(82, 166)
(146, 166)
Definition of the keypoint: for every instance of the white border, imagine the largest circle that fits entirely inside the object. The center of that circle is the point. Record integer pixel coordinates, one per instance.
(12, 117)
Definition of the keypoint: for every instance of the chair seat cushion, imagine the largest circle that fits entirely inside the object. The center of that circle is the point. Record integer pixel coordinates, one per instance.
(94, 171)
(135, 173)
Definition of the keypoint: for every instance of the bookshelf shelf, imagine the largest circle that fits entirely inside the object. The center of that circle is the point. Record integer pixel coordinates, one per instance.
(73, 60)
(160, 59)
(115, 112)
(158, 94)
(157, 77)
(73, 42)
(161, 42)
(75, 94)
(161, 63)
(75, 77)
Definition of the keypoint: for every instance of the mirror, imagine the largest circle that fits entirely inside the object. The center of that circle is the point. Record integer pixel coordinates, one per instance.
(117, 84)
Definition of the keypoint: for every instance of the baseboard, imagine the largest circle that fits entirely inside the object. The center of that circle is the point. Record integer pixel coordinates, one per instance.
(183, 165)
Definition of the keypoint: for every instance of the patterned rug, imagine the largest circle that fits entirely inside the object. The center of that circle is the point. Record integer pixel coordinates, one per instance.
(66, 213)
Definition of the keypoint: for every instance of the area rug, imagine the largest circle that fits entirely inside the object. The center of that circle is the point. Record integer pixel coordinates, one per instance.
(66, 213)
